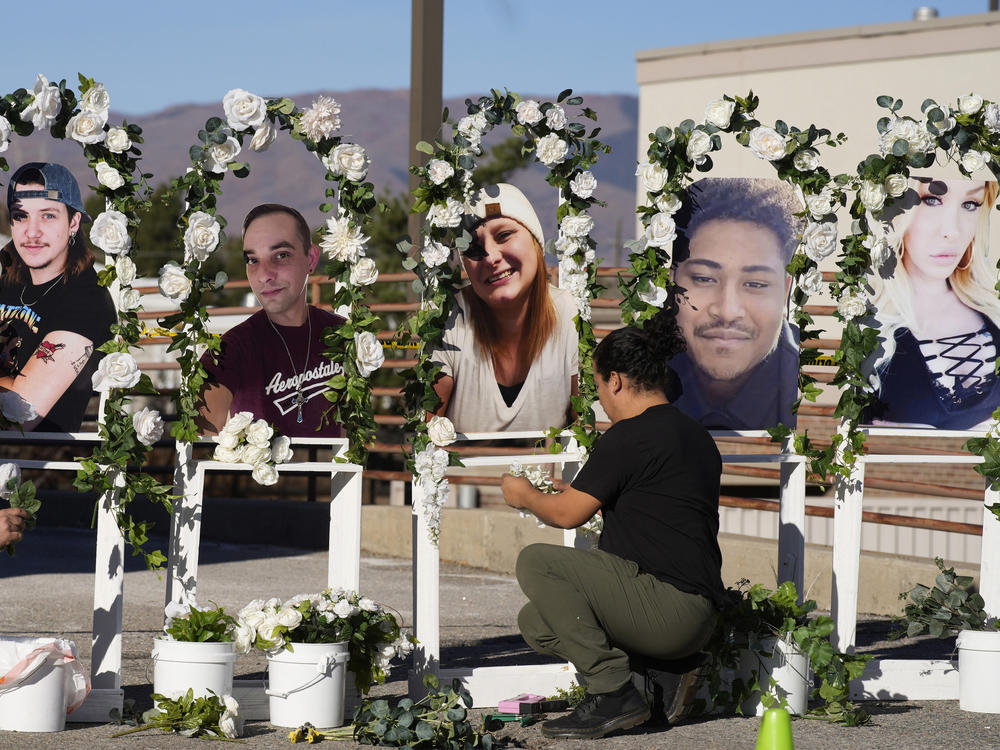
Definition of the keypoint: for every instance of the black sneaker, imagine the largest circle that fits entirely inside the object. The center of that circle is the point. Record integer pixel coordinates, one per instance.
(600, 714)
(671, 686)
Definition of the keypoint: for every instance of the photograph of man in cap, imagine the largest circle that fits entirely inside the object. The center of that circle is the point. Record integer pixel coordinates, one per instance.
(735, 237)
(272, 364)
(50, 301)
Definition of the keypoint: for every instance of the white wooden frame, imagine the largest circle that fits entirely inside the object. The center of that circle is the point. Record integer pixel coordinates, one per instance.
(900, 679)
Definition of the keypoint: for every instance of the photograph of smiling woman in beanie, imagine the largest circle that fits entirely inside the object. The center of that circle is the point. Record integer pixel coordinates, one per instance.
(509, 355)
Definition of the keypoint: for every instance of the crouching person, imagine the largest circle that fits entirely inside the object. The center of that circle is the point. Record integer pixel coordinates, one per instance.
(653, 587)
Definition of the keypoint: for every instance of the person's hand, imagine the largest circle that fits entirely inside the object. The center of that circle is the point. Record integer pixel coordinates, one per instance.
(12, 525)
(515, 489)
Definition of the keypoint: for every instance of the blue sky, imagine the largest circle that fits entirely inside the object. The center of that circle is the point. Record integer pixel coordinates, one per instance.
(151, 55)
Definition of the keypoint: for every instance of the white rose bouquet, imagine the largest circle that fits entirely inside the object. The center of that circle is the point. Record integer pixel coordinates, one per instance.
(243, 440)
(331, 616)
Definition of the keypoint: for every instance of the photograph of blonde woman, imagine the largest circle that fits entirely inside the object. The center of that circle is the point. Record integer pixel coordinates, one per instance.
(509, 356)
(937, 310)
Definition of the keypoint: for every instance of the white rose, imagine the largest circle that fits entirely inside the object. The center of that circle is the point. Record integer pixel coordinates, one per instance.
(117, 370)
(342, 241)
(820, 239)
(555, 118)
(368, 353)
(699, 145)
(96, 99)
(128, 298)
(434, 254)
(226, 454)
(108, 175)
(652, 176)
(15, 408)
(551, 149)
(259, 434)
(218, 155)
(254, 455)
(44, 110)
(438, 170)
(566, 245)
(878, 249)
(269, 627)
(5, 133)
(473, 126)
(229, 439)
(7, 473)
(265, 475)
(201, 236)
(806, 160)
(528, 112)
(173, 282)
(87, 127)
(820, 204)
(661, 230)
(918, 140)
(969, 104)
(348, 160)
(767, 143)
(343, 608)
(244, 637)
(289, 617)
(719, 113)
(577, 226)
(872, 195)
(653, 295)
(243, 109)
(238, 422)
(263, 136)
(110, 233)
(991, 117)
(117, 141)
(668, 203)
(972, 161)
(583, 185)
(895, 185)
(441, 431)
(148, 425)
(124, 270)
(811, 281)
(851, 307)
(364, 272)
(281, 449)
(445, 216)
(367, 604)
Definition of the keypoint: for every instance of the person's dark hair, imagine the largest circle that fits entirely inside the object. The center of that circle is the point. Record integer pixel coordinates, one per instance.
(644, 354)
(767, 203)
(78, 258)
(266, 209)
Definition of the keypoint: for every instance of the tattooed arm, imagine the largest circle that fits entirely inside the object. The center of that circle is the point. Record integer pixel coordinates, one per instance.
(50, 370)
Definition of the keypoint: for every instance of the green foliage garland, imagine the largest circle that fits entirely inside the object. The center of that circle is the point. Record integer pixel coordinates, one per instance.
(113, 461)
(350, 198)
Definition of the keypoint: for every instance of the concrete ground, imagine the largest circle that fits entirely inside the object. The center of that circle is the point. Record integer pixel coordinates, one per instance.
(46, 589)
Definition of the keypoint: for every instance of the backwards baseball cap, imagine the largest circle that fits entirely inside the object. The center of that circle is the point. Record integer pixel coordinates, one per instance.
(502, 199)
(59, 184)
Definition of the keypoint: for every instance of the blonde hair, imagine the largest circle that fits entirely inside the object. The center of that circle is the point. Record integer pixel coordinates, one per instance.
(972, 280)
(540, 318)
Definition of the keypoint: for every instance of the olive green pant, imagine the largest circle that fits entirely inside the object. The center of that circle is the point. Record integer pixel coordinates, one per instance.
(593, 609)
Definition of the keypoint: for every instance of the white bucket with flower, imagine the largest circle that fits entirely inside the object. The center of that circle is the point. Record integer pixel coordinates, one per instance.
(198, 653)
(312, 641)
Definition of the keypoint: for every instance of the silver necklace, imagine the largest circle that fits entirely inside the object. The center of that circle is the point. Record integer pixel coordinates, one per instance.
(300, 400)
(48, 289)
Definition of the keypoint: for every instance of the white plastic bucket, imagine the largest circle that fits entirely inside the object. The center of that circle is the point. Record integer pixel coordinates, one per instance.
(979, 671)
(40, 682)
(307, 684)
(789, 667)
(201, 667)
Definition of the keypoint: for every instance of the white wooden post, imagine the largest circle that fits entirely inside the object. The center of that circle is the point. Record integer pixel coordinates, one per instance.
(989, 571)
(792, 521)
(185, 528)
(847, 557)
(426, 591)
(344, 563)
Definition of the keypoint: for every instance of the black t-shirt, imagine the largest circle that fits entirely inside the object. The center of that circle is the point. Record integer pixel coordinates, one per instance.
(80, 305)
(657, 478)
